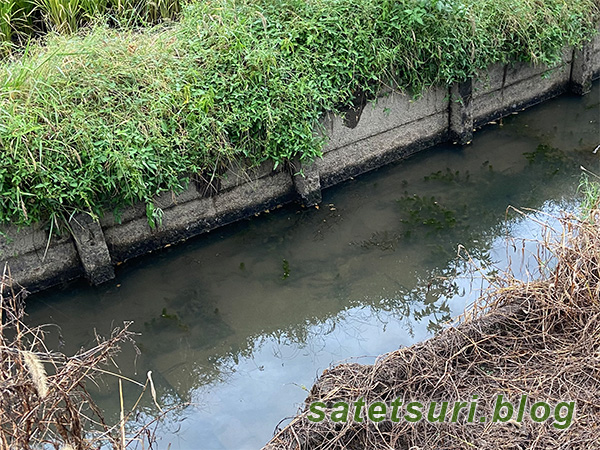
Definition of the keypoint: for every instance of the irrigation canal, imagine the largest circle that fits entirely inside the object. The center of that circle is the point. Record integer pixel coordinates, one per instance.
(241, 321)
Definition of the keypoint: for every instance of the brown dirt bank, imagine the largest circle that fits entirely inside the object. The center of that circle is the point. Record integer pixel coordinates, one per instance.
(538, 338)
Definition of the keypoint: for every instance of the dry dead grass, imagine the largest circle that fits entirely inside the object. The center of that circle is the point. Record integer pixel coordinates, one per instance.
(43, 398)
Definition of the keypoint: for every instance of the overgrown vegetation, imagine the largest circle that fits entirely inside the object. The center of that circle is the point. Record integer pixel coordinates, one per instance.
(113, 116)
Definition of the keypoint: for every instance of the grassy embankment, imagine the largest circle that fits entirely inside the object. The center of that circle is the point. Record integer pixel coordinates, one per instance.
(117, 113)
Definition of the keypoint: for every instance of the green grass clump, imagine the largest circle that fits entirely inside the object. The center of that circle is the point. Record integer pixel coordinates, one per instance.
(22, 19)
(113, 116)
(589, 188)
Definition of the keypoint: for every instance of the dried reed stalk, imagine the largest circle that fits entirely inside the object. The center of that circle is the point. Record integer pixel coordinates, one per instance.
(39, 408)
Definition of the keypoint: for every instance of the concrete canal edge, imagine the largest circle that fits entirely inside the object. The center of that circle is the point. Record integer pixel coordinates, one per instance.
(389, 129)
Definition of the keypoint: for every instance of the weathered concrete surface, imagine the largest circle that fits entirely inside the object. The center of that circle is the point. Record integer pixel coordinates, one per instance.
(254, 197)
(461, 112)
(164, 201)
(91, 247)
(136, 237)
(361, 156)
(582, 71)
(240, 174)
(504, 89)
(594, 51)
(388, 112)
(37, 259)
(307, 182)
(183, 220)
(18, 241)
(367, 137)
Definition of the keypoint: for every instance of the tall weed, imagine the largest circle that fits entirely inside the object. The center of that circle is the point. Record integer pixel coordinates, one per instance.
(6, 19)
(26, 18)
(61, 16)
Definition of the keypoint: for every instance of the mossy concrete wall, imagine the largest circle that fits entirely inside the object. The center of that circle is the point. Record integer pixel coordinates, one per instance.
(389, 129)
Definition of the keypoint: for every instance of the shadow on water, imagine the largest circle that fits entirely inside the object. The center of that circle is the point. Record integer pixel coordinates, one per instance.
(241, 321)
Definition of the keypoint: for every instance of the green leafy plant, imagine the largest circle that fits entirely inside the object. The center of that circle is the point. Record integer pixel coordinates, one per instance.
(27, 18)
(92, 9)
(15, 20)
(119, 114)
(6, 16)
(61, 15)
(589, 188)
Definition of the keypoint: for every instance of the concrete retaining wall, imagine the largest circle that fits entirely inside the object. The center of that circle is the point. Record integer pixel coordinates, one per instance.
(506, 88)
(389, 129)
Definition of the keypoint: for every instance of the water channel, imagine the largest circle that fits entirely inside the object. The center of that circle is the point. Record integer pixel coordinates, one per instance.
(240, 322)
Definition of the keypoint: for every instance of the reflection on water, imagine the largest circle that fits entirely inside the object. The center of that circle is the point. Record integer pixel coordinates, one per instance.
(241, 321)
